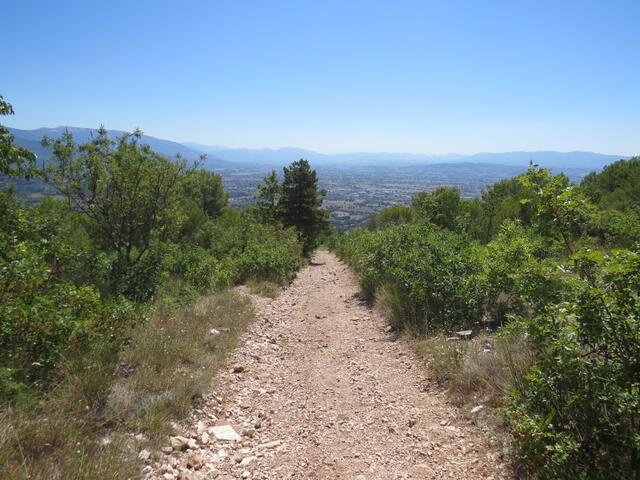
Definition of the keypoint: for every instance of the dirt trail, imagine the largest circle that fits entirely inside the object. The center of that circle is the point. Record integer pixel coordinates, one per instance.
(318, 390)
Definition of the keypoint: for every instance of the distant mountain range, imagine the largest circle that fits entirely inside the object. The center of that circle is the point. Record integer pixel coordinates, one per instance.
(284, 156)
(220, 158)
(31, 139)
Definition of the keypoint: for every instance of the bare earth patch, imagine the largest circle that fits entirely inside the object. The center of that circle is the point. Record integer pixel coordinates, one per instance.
(318, 390)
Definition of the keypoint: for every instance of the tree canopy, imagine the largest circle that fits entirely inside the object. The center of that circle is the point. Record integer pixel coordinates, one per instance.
(123, 188)
(14, 160)
(297, 202)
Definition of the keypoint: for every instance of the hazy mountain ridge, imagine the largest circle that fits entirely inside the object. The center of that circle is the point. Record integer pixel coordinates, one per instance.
(31, 139)
(219, 157)
(284, 156)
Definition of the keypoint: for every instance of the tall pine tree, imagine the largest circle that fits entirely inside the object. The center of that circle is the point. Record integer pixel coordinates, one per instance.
(300, 203)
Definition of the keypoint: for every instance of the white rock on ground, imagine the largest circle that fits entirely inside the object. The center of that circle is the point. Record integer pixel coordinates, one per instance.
(226, 432)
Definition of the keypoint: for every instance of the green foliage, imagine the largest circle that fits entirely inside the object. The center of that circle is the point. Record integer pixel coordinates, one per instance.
(559, 207)
(251, 250)
(195, 266)
(43, 312)
(616, 229)
(206, 191)
(440, 207)
(124, 190)
(616, 192)
(519, 272)
(268, 198)
(617, 187)
(15, 161)
(297, 203)
(505, 200)
(389, 216)
(575, 416)
(430, 277)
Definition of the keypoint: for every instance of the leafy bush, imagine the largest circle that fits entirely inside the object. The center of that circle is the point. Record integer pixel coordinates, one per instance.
(519, 272)
(44, 314)
(40, 327)
(431, 278)
(617, 229)
(440, 207)
(269, 260)
(14, 160)
(389, 216)
(250, 250)
(575, 416)
(560, 208)
(126, 194)
(616, 187)
(195, 266)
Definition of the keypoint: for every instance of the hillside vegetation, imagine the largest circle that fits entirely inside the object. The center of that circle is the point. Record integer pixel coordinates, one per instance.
(114, 299)
(548, 273)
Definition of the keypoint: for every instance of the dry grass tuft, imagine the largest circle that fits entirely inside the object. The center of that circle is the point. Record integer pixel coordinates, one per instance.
(393, 306)
(264, 288)
(477, 371)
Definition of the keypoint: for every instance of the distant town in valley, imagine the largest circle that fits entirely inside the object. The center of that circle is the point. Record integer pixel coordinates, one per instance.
(354, 193)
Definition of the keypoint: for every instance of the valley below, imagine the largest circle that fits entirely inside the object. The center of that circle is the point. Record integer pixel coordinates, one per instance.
(354, 193)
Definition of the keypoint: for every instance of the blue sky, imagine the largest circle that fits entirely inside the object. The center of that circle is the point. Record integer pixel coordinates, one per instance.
(332, 75)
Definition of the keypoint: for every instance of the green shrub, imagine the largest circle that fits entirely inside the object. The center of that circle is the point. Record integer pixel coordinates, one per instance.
(519, 272)
(576, 413)
(617, 229)
(389, 216)
(194, 265)
(250, 250)
(432, 278)
(272, 259)
(43, 314)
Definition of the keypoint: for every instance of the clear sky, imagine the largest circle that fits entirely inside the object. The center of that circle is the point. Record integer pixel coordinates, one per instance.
(332, 75)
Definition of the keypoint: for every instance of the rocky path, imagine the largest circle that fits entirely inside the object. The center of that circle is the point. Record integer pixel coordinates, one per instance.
(318, 390)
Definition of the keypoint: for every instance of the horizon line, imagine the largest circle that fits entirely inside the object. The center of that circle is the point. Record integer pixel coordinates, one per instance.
(358, 152)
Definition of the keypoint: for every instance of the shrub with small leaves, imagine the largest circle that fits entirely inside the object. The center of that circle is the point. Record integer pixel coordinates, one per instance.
(576, 413)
